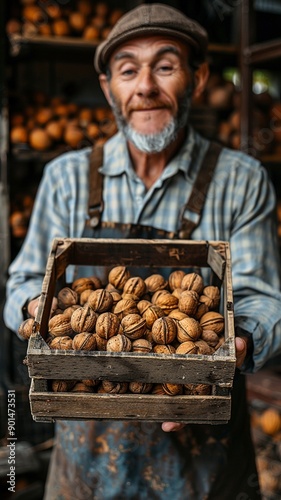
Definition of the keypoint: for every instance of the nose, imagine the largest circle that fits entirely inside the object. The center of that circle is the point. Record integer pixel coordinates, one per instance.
(146, 85)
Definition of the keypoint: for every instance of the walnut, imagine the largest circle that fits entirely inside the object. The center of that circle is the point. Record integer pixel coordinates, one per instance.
(210, 296)
(118, 276)
(134, 326)
(198, 389)
(26, 328)
(124, 307)
(100, 300)
(158, 294)
(96, 282)
(62, 385)
(173, 389)
(135, 286)
(151, 314)
(81, 387)
(201, 309)
(90, 382)
(204, 348)
(188, 302)
(140, 387)
(83, 319)
(155, 282)
(82, 284)
(60, 326)
(167, 302)
(115, 296)
(119, 343)
(84, 341)
(188, 329)
(175, 279)
(64, 343)
(164, 349)
(67, 298)
(114, 387)
(141, 345)
(187, 347)
(107, 325)
(210, 337)
(177, 292)
(84, 296)
(158, 390)
(193, 281)
(143, 305)
(164, 330)
(212, 321)
(101, 343)
(70, 310)
(177, 315)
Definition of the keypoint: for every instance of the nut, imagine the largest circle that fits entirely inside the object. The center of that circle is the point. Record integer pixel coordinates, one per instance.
(167, 302)
(83, 319)
(212, 321)
(135, 286)
(177, 315)
(158, 294)
(67, 298)
(188, 302)
(63, 385)
(210, 337)
(211, 297)
(151, 314)
(114, 387)
(124, 307)
(164, 349)
(175, 279)
(141, 345)
(197, 389)
(64, 343)
(90, 382)
(70, 310)
(100, 300)
(84, 296)
(172, 389)
(158, 390)
(140, 387)
(164, 330)
(118, 277)
(60, 326)
(187, 347)
(26, 328)
(188, 329)
(143, 305)
(107, 325)
(119, 343)
(201, 309)
(134, 326)
(193, 281)
(82, 284)
(84, 341)
(204, 348)
(96, 282)
(81, 387)
(155, 282)
(101, 343)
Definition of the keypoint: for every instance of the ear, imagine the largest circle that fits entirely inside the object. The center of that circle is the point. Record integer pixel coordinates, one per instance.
(104, 83)
(201, 79)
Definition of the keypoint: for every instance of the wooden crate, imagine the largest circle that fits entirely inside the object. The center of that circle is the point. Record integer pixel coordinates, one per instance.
(217, 370)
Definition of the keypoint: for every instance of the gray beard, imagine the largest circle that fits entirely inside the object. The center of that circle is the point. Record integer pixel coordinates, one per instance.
(155, 143)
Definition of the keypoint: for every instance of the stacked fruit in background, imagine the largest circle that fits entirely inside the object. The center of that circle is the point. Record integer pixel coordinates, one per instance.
(47, 123)
(81, 18)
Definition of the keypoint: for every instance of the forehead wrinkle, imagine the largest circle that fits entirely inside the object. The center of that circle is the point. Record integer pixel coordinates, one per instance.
(127, 54)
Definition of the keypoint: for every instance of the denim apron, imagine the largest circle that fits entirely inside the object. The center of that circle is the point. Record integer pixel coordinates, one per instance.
(116, 460)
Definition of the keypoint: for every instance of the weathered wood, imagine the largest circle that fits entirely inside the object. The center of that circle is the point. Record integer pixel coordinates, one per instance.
(188, 409)
(130, 366)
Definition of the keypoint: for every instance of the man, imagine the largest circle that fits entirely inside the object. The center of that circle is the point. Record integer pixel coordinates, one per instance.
(150, 67)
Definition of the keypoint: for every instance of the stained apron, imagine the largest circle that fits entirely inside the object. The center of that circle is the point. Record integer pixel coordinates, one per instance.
(132, 460)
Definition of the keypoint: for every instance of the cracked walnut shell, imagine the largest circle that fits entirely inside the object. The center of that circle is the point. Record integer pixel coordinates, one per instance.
(83, 319)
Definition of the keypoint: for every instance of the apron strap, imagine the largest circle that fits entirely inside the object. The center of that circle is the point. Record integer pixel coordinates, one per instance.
(199, 191)
(95, 203)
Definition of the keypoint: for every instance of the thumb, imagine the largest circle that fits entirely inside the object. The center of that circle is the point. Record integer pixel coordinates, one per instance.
(241, 351)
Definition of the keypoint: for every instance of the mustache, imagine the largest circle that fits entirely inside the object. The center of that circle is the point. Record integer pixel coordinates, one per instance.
(144, 106)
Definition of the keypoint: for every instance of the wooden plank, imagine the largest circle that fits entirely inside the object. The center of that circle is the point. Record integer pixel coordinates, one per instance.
(196, 409)
(130, 366)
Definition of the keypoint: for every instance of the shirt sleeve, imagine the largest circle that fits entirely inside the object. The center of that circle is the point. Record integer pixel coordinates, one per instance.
(50, 219)
(256, 268)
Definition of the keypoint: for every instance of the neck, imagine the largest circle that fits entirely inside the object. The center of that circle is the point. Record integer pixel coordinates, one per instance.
(149, 166)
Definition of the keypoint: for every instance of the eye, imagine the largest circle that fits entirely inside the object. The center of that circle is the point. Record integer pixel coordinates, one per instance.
(164, 68)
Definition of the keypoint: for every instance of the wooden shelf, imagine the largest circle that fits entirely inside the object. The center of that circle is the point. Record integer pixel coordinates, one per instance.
(261, 53)
(265, 385)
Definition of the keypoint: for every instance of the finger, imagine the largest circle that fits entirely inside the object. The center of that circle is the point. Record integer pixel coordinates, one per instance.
(172, 426)
(241, 351)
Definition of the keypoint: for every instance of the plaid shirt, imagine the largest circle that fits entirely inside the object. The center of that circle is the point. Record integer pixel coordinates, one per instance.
(240, 208)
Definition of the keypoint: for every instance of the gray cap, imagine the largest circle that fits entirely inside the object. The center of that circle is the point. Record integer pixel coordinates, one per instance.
(153, 19)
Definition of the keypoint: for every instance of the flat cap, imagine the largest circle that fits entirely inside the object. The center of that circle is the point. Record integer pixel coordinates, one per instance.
(153, 19)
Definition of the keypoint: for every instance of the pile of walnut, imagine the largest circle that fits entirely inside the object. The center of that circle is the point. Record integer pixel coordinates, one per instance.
(130, 314)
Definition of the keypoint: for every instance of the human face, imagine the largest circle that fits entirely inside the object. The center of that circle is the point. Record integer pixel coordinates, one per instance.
(150, 87)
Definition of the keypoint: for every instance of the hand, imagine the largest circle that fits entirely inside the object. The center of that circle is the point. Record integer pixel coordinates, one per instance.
(32, 307)
(241, 351)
